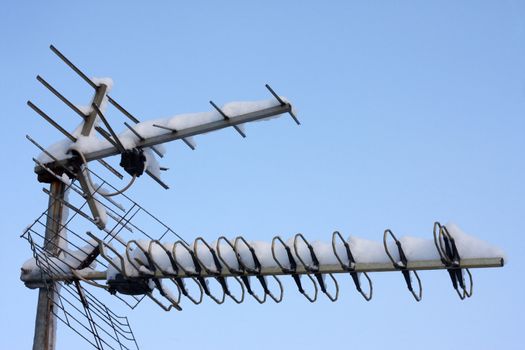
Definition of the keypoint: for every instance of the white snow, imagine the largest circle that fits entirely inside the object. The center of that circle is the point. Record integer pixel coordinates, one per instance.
(152, 164)
(67, 260)
(472, 247)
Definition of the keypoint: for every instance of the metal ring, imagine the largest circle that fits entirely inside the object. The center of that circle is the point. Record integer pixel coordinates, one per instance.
(403, 266)
(281, 290)
(257, 269)
(419, 295)
(292, 270)
(174, 303)
(368, 296)
(196, 266)
(168, 253)
(330, 296)
(209, 271)
(471, 283)
(218, 267)
(284, 269)
(122, 268)
(315, 268)
(308, 268)
(187, 273)
(351, 267)
(394, 262)
(246, 269)
(231, 269)
(136, 259)
(233, 297)
(184, 291)
(455, 258)
(437, 242)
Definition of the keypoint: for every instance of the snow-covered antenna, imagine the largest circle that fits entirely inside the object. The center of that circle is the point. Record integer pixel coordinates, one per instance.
(119, 247)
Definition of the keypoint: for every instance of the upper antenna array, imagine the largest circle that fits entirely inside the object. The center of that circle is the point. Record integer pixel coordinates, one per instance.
(144, 135)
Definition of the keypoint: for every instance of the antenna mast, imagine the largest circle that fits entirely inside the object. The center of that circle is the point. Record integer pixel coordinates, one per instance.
(161, 265)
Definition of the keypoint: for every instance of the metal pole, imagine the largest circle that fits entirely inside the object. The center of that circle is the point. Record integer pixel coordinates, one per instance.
(45, 322)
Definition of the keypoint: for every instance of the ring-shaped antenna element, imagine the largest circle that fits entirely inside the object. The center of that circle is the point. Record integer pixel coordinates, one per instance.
(350, 266)
(315, 268)
(257, 271)
(236, 271)
(231, 269)
(216, 273)
(196, 266)
(239, 299)
(437, 242)
(196, 277)
(292, 269)
(168, 253)
(402, 265)
(257, 265)
(174, 303)
(134, 260)
(218, 266)
(448, 249)
(180, 283)
(315, 262)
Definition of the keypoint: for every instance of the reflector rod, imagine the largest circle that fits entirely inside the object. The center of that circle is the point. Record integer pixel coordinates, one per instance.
(174, 131)
(72, 66)
(226, 118)
(51, 121)
(123, 110)
(142, 139)
(60, 96)
(154, 177)
(283, 103)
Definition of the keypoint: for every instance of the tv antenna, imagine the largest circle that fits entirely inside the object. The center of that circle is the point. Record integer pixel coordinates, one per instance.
(111, 244)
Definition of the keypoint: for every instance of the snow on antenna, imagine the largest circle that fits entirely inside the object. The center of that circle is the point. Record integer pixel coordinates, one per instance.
(138, 256)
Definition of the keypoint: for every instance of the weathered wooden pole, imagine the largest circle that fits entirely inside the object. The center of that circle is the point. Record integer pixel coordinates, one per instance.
(45, 322)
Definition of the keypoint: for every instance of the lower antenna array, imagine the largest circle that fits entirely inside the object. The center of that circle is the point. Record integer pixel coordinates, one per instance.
(169, 273)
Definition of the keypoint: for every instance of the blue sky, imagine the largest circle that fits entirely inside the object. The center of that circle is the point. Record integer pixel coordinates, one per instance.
(412, 112)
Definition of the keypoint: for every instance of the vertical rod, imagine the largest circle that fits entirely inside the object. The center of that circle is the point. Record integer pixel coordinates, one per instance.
(45, 322)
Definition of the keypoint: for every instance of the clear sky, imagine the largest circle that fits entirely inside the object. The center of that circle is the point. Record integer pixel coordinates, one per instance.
(412, 112)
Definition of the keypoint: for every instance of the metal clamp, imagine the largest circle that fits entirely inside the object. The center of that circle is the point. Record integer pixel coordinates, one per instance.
(402, 265)
(315, 268)
(350, 267)
(292, 269)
